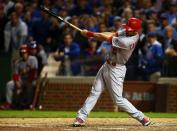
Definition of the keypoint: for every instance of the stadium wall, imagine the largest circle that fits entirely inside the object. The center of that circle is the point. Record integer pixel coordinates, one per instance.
(69, 93)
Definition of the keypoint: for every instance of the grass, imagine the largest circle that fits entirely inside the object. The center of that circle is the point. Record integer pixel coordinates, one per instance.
(69, 114)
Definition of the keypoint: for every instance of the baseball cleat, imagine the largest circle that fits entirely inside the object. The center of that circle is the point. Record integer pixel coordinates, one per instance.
(78, 122)
(145, 121)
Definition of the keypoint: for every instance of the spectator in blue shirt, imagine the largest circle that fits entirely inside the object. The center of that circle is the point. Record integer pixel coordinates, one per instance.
(69, 53)
(161, 29)
(171, 14)
(151, 61)
(104, 49)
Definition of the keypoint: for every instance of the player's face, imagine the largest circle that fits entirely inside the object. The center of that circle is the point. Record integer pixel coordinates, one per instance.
(24, 56)
(130, 33)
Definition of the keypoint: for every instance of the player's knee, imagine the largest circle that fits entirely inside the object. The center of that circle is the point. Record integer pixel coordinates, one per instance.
(119, 100)
(95, 93)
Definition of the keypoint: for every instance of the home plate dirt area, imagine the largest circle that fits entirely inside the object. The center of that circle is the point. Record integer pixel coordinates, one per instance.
(93, 124)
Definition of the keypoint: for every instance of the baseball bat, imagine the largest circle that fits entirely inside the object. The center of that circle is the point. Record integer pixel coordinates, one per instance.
(58, 17)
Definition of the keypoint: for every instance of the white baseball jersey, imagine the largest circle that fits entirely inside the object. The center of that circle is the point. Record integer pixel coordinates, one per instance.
(122, 48)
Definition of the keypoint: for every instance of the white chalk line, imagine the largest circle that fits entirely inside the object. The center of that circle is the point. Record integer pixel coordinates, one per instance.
(163, 124)
(112, 128)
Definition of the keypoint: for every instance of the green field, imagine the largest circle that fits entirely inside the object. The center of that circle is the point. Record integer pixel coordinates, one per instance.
(64, 114)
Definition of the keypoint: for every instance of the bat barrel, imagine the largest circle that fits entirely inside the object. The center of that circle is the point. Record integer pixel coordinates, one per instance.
(49, 12)
(58, 17)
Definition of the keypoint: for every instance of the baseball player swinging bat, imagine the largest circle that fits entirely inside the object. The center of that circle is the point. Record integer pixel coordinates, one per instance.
(112, 73)
(59, 18)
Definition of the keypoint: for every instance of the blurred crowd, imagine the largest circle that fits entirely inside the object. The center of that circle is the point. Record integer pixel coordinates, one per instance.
(23, 23)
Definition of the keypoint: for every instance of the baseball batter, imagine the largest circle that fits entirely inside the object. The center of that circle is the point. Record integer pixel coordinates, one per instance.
(112, 73)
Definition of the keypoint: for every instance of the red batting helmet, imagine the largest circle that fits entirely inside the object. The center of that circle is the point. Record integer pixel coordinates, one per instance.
(134, 23)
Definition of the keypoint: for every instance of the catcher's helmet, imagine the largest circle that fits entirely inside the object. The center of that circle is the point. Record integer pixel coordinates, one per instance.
(23, 49)
(32, 45)
(134, 23)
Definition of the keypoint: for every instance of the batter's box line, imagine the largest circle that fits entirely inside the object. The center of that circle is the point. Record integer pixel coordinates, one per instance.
(154, 124)
(35, 126)
(111, 128)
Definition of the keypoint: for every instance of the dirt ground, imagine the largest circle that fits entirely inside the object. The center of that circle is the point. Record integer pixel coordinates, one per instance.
(93, 124)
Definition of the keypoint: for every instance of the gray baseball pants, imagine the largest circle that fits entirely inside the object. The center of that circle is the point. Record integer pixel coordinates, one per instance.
(111, 77)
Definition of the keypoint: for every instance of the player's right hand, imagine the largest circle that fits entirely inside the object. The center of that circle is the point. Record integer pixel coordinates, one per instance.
(84, 32)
